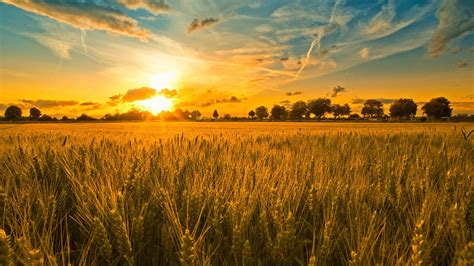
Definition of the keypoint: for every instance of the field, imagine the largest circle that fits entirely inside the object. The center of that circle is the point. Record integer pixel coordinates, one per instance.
(237, 194)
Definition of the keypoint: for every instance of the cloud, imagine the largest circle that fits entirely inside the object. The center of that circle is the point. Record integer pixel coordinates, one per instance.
(90, 106)
(455, 19)
(293, 93)
(383, 100)
(383, 20)
(463, 64)
(138, 94)
(59, 48)
(169, 93)
(86, 16)
(197, 24)
(336, 90)
(232, 99)
(364, 53)
(49, 103)
(154, 6)
(456, 50)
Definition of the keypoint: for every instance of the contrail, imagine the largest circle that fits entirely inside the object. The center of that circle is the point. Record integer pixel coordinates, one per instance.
(83, 40)
(318, 37)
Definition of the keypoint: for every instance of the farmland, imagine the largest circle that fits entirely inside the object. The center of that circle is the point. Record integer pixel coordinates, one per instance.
(237, 193)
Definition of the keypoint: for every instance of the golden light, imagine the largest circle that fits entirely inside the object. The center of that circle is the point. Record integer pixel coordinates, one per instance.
(156, 104)
(163, 80)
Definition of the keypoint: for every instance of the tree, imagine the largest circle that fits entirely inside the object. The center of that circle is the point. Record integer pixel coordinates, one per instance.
(403, 108)
(13, 112)
(196, 115)
(261, 112)
(46, 117)
(319, 107)
(65, 118)
(35, 113)
(252, 114)
(227, 117)
(373, 109)
(436, 108)
(278, 112)
(298, 109)
(85, 117)
(215, 114)
(341, 110)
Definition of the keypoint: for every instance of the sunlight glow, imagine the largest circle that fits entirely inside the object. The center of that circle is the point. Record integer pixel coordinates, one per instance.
(164, 80)
(156, 104)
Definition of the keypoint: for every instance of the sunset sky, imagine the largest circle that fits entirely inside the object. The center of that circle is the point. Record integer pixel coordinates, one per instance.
(104, 56)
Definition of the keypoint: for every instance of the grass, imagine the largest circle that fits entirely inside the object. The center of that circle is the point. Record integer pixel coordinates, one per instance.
(237, 194)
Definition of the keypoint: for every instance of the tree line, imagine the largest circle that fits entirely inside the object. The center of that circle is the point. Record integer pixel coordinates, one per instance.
(316, 109)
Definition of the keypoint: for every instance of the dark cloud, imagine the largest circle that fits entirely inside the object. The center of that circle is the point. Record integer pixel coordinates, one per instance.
(48, 103)
(154, 6)
(455, 19)
(114, 100)
(169, 93)
(138, 94)
(329, 50)
(336, 90)
(197, 24)
(382, 100)
(293, 93)
(90, 106)
(85, 15)
(463, 64)
(284, 59)
(232, 99)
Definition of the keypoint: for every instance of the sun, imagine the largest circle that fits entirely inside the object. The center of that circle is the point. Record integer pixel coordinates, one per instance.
(156, 104)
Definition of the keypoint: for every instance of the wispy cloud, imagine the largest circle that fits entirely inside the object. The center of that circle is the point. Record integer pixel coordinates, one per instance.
(154, 6)
(463, 64)
(293, 93)
(49, 103)
(197, 24)
(455, 19)
(85, 16)
(138, 94)
(364, 53)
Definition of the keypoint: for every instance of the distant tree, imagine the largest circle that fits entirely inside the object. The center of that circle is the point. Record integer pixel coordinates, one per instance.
(227, 117)
(85, 117)
(46, 117)
(261, 112)
(341, 110)
(252, 114)
(196, 115)
(405, 108)
(13, 112)
(354, 116)
(298, 110)
(372, 109)
(278, 112)
(65, 118)
(215, 114)
(35, 113)
(319, 107)
(436, 108)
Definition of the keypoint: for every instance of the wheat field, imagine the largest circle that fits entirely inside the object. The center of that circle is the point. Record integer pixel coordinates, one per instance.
(236, 194)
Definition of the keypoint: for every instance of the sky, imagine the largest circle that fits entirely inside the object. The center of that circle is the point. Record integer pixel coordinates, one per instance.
(107, 56)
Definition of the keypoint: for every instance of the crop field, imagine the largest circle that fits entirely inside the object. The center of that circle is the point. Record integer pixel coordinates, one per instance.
(237, 194)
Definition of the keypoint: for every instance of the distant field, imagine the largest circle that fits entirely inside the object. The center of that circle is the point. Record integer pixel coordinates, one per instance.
(237, 193)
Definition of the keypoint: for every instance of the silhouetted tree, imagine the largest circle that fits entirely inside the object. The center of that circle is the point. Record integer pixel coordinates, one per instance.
(403, 108)
(298, 109)
(35, 113)
(85, 117)
(319, 107)
(278, 112)
(354, 116)
(215, 114)
(13, 112)
(46, 117)
(372, 108)
(341, 110)
(252, 114)
(437, 108)
(65, 118)
(227, 117)
(261, 112)
(196, 115)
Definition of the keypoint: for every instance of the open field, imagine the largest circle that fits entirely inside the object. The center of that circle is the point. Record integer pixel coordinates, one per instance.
(237, 194)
